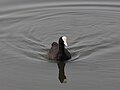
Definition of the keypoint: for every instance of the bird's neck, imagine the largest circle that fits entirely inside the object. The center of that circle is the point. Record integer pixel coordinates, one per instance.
(61, 48)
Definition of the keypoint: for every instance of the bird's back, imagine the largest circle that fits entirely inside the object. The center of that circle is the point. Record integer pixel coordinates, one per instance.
(52, 53)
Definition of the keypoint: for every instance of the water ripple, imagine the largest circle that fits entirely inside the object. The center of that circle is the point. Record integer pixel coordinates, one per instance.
(90, 27)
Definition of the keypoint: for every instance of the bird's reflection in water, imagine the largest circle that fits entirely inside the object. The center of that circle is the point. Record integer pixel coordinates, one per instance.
(62, 76)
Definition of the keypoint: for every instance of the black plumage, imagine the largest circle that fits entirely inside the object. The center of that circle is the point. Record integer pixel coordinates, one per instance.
(58, 50)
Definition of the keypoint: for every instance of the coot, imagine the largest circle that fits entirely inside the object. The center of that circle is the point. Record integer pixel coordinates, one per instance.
(58, 50)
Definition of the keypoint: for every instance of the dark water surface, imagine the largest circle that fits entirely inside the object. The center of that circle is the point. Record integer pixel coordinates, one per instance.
(26, 34)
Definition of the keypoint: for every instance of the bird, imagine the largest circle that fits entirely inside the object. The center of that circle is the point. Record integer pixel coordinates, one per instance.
(58, 51)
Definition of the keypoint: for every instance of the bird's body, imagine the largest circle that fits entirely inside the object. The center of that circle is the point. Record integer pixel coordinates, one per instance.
(58, 50)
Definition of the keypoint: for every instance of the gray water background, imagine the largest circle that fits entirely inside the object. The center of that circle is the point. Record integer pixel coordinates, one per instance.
(27, 29)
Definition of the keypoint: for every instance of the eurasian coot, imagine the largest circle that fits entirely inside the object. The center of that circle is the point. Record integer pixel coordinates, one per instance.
(58, 50)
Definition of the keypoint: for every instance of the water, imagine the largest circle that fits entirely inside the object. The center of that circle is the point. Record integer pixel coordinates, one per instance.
(26, 34)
